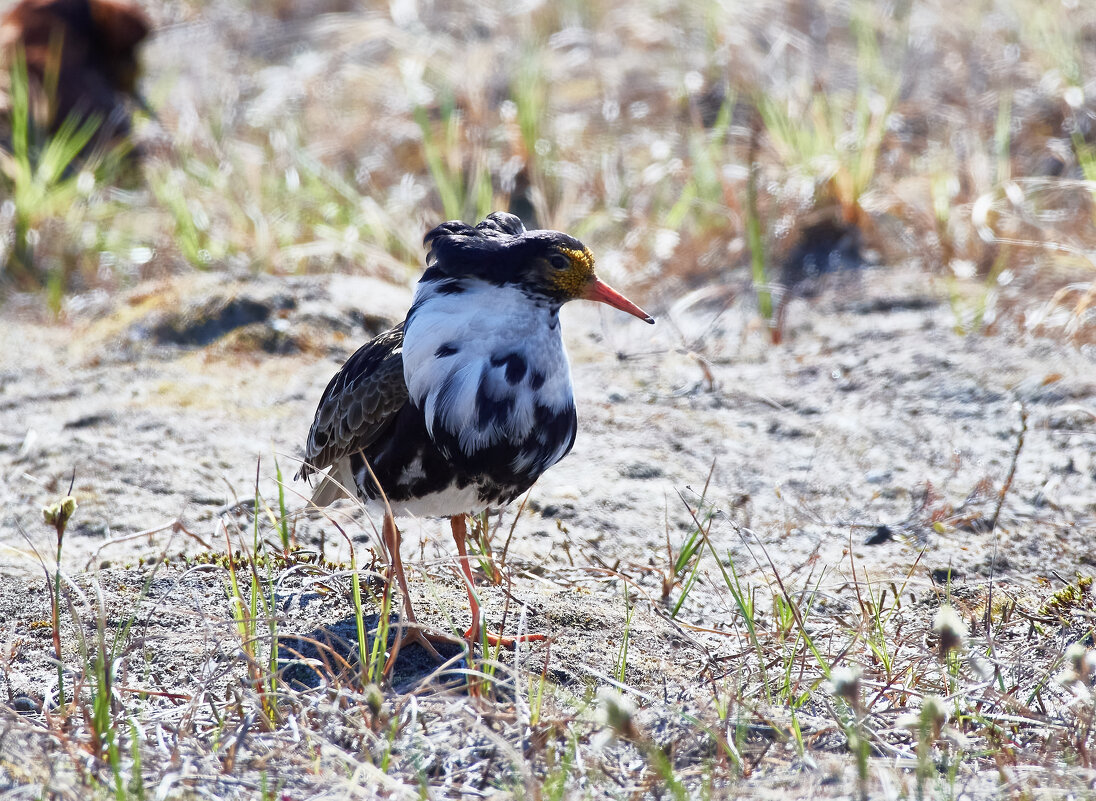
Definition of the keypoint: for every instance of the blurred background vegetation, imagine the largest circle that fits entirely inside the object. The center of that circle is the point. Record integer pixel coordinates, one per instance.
(694, 144)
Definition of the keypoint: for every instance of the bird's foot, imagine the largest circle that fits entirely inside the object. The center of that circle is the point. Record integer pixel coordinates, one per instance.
(475, 635)
(414, 635)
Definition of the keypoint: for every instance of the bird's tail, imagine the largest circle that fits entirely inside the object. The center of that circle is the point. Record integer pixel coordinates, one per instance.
(338, 483)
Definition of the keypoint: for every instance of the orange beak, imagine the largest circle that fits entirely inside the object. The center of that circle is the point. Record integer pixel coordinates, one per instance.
(603, 293)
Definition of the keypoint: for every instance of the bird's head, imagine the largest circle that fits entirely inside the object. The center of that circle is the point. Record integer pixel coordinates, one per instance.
(544, 264)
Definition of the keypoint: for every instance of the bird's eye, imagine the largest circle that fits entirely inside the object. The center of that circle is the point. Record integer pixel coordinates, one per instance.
(559, 261)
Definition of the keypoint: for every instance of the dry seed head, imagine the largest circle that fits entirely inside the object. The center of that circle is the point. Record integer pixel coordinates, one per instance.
(1080, 666)
(374, 699)
(950, 628)
(845, 684)
(934, 714)
(930, 719)
(616, 712)
(979, 215)
(58, 514)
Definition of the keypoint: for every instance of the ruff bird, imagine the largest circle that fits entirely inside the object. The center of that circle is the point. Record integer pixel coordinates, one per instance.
(81, 61)
(463, 405)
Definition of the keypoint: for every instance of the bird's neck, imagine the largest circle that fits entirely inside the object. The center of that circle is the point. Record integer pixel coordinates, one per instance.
(465, 307)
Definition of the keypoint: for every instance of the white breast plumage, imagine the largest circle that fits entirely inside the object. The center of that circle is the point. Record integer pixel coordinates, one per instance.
(484, 363)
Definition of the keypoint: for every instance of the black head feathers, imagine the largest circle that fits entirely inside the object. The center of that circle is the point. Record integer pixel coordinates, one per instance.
(499, 250)
(498, 225)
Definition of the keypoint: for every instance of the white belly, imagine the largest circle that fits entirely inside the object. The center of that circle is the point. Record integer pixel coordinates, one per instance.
(445, 503)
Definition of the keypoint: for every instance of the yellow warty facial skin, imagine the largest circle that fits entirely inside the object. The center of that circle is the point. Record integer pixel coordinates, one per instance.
(573, 281)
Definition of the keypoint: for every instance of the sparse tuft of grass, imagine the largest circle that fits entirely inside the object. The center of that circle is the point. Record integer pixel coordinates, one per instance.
(708, 170)
(50, 182)
(900, 680)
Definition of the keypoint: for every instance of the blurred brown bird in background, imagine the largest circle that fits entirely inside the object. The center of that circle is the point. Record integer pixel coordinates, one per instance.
(81, 60)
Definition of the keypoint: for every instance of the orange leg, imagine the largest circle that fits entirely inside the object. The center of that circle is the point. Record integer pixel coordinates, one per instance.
(410, 632)
(475, 632)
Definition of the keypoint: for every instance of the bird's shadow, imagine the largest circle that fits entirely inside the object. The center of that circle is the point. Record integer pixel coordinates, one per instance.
(329, 656)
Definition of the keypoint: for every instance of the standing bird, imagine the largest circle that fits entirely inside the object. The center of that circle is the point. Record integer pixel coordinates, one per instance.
(465, 403)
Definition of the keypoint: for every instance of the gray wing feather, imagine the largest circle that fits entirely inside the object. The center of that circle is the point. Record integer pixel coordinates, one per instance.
(359, 402)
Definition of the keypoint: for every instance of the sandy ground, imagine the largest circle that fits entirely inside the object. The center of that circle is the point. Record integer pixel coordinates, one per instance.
(871, 403)
(874, 423)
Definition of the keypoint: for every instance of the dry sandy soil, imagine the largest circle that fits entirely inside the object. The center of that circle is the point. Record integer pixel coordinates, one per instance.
(874, 422)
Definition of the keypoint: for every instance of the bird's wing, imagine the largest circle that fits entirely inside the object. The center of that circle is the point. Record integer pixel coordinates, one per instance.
(360, 400)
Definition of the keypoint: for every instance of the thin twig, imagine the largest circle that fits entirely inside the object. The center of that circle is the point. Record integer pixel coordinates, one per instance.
(175, 526)
(1012, 468)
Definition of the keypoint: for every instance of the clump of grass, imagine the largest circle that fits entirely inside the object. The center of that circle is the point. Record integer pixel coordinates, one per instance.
(50, 181)
(480, 541)
(372, 657)
(464, 188)
(93, 697)
(706, 192)
(759, 268)
(255, 616)
(833, 138)
(682, 568)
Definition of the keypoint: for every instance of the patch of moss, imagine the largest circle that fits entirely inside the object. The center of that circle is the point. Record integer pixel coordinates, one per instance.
(1071, 599)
